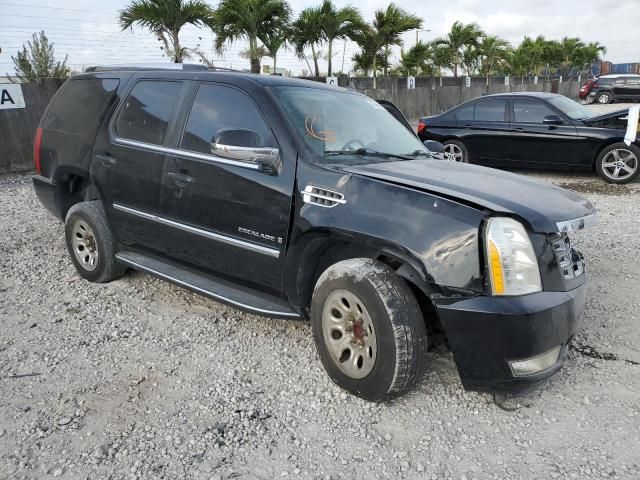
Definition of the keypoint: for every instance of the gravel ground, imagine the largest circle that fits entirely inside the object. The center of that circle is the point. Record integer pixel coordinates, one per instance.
(141, 379)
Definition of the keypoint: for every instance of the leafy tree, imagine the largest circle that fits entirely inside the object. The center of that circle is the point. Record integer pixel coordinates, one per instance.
(571, 47)
(389, 25)
(494, 54)
(251, 20)
(461, 38)
(589, 54)
(370, 57)
(165, 18)
(275, 40)
(338, 24)
(308, 33)
(418, 60)
(37, 61)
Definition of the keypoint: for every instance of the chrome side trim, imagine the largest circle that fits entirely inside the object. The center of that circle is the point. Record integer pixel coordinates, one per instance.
(169, 278)
(186, 153)
(272, 252)
(577, 223)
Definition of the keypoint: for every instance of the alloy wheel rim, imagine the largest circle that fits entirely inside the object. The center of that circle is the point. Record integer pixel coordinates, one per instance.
(84, 245)
(619, 164)
(603, 99)
(349, 334)
(453, 153)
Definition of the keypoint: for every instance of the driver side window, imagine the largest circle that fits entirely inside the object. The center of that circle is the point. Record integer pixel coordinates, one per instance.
(222, 114)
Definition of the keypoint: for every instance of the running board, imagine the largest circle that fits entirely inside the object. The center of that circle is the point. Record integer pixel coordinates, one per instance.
(220, 290)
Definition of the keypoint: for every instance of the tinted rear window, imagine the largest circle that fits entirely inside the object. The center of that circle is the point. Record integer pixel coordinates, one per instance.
(146, 112)
(483, 111)
(81, 105)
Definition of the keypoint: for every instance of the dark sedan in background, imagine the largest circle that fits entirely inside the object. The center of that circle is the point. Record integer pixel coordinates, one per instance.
(535, 130)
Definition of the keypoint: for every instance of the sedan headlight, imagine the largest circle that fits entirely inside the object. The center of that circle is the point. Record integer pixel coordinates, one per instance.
(512, 264)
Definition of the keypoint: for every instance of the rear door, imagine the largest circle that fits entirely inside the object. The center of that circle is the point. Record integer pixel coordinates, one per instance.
(129, 169)
(484, 129)
(633, 87)
(620, 89)
(534, 143)
(227, 217)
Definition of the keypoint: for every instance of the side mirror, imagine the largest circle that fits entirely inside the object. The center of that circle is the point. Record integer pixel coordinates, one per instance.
(433, 146)
(552, 120)
(244, 145)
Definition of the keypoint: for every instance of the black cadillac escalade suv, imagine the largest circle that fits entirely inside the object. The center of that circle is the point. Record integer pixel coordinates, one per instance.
(289, 198)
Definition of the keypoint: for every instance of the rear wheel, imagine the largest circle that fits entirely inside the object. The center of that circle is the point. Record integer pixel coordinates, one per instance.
(618, 163)
(91, 244)
(456, 151)
(604, 97)
(368, 329)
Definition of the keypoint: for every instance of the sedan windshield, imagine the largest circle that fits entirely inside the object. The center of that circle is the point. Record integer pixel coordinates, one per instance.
(345, 127)
(571, 108)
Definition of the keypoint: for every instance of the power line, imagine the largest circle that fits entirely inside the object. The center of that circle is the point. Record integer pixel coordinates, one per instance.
(21, 5)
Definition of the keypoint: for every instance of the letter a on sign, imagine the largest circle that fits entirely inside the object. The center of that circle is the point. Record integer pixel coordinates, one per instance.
(11, 96)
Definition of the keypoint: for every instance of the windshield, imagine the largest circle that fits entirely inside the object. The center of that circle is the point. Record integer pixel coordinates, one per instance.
(346, 125)
(570, 108)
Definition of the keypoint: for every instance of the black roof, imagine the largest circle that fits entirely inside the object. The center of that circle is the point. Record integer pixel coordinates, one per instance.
(240, 78)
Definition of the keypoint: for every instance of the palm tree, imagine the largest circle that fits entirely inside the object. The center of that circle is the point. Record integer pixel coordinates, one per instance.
(165, 18)
(389, 24)
(274, 40)
(570, 49)
(307, 32)
(370, 57)
(338, 24)
(249, 19)
(494, 52)
(460, 38)
(589, 54)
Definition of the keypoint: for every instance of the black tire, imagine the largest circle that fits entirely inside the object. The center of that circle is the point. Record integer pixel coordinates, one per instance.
(89, 219)
(461, 147)
(603, 98)
(398, 326)
(630, 153)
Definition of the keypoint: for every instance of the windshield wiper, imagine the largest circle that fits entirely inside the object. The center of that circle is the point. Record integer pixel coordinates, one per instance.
(370, 152)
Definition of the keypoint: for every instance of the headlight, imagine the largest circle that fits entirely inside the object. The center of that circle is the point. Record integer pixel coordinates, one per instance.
(512, 264)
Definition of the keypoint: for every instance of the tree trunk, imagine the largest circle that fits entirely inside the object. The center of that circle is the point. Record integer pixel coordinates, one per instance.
(386, 59)
(253, 54)
(375, 70)
(177, 49)
(330, 57)
(315, 59)
(275, 63)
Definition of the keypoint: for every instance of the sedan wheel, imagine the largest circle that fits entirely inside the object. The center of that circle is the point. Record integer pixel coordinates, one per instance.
(453, 153)
(620, 164)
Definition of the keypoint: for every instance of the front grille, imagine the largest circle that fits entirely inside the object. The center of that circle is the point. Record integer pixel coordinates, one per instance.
(570, 260)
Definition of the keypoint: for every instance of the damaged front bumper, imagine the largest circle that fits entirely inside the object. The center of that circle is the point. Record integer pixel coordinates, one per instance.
(489, 336)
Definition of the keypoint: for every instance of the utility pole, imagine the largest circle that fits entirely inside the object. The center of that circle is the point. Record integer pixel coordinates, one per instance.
(418, 34)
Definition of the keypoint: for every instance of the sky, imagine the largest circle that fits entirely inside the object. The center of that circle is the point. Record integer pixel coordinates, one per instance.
(87, 31)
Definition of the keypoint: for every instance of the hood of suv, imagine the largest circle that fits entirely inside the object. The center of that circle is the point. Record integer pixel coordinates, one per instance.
(539, 203)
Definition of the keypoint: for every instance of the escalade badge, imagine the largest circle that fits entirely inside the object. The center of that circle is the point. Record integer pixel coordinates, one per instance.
(264, 236)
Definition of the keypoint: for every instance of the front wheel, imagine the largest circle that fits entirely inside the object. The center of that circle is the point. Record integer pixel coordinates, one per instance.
(368, 329)
(618, 163)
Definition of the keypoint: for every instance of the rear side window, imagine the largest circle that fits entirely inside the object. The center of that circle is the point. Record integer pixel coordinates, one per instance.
(81, 105)
(218, 109)
(483, 111)
(147, 110)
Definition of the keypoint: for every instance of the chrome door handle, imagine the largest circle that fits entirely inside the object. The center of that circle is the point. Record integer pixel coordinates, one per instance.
(180, 179)
(106, 160)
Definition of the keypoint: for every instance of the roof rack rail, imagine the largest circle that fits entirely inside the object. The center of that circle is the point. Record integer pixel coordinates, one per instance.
(149, 66)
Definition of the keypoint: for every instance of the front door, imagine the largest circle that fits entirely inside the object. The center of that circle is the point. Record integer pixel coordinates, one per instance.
(231, 219)
(129, 169)
(484, 129)
(536, 144)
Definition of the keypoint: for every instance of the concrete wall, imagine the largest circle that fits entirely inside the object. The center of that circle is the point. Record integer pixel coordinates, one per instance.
(18, 127)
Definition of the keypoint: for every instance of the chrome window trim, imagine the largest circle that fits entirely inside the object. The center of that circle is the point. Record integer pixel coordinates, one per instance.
(185, 153)
(272, 252)
(577, 224)
(164, 276)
